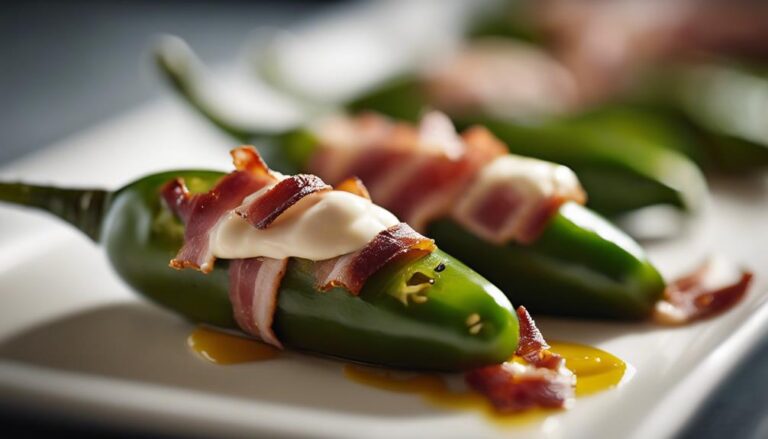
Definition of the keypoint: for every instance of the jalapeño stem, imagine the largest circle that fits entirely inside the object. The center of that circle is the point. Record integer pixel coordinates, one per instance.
(83, 208)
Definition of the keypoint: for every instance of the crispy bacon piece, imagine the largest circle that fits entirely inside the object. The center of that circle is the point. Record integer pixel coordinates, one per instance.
(255, 282)
(532, 347)
(352, 270)
(201, 212)
(253, 287)
(261, 211)
(711, 289)
(354, 185)
(513, 387)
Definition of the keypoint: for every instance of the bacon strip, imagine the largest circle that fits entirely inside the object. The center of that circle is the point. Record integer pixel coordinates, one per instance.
(711, 289)
(255, 282)
(513, 387)
(431, 172)
(253, 287)
(263, 210)
(515, 197)
(351, 271)
(201, 212)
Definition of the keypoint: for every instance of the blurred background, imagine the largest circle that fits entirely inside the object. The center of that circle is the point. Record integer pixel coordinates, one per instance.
(680, 80)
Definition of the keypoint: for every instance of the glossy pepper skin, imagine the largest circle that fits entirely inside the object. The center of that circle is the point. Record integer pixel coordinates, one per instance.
(581, 266)
(723, 106)
(380, 326)
(606, 272)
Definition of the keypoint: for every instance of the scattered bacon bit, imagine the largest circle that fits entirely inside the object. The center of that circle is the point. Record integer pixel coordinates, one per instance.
(532, 347)
(512, 387)
(254, 284)
(265, 209)
(355, 186)
(711, 289)
(352, 270)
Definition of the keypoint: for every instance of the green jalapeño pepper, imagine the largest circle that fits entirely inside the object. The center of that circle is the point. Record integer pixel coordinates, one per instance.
(461, 320)
(581, 266)
(724, 107)
(622, 170)
(622, 167)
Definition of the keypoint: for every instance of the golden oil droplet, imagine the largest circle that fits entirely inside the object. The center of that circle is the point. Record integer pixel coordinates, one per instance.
(223, 348)
(595, 369)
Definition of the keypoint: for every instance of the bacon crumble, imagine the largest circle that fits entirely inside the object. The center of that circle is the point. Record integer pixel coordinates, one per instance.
(513, 387)
(711, 289)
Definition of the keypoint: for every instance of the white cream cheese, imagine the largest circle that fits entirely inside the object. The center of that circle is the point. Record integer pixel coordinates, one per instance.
(320, 226)
(535, 177)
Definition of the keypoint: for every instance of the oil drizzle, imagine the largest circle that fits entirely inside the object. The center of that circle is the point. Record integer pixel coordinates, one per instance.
(223, 348)
(595, 371)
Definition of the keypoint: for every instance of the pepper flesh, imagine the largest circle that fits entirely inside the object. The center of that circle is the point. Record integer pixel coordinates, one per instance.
(141, 235)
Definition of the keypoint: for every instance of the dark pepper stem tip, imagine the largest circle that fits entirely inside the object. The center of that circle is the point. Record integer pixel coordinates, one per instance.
(83, 208)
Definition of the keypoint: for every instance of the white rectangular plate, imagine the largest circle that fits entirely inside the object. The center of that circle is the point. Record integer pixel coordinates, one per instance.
(75, 340)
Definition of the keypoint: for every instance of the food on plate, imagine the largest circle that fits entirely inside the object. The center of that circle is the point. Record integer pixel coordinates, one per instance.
(638, 167)
(712, 288)
(595, 371)
(571, 262)
(381, 294)
(537, 242)
(294, 262)
(297, 263)
(529, 101)
(700, 67)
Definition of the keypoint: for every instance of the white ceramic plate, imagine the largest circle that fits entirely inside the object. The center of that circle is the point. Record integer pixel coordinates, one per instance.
(74, 340)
